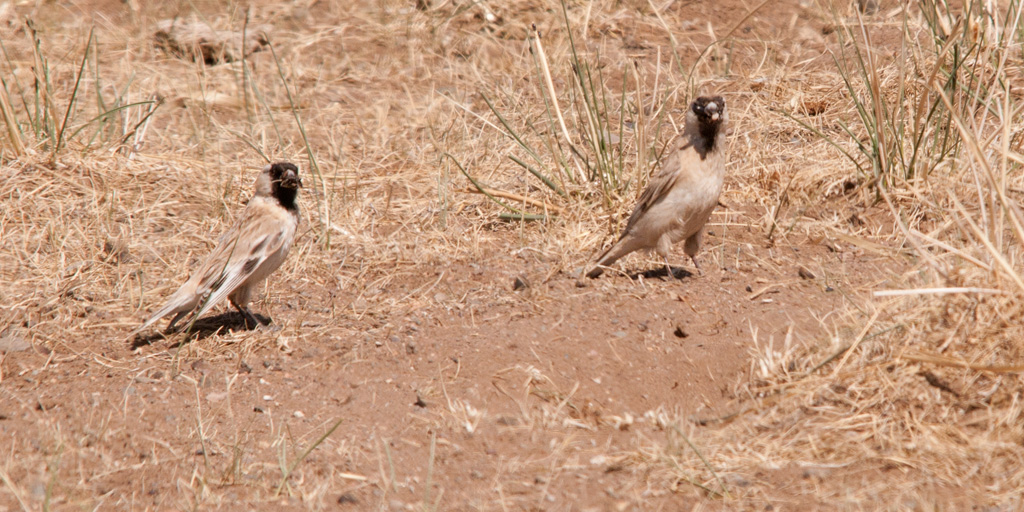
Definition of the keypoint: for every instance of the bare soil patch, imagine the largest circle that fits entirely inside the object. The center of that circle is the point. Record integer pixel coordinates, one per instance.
(455, 360)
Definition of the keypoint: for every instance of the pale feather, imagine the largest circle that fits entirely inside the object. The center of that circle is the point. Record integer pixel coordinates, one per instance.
(261, 237)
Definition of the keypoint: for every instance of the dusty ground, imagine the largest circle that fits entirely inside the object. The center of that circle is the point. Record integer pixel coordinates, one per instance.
(532, 398)
(397, 328)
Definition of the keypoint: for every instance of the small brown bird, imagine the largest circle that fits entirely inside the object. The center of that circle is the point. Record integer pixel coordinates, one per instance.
(679, 199)
(246, 254)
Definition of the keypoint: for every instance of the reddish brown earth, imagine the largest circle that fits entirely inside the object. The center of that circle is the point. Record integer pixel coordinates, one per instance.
(449, 388)
(533, 399)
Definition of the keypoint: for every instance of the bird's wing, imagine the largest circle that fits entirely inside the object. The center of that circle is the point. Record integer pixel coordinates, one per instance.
(662, 183)
(263, 230)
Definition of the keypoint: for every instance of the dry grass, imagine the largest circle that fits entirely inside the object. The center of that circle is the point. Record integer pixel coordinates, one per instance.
(924, 386)
(907, 402)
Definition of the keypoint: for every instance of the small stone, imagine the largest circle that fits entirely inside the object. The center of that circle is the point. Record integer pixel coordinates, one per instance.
(508, 421)
(520, 283)
(804, 273)
(680, 333)
(197, 41)
(868, 7)
(11, 342)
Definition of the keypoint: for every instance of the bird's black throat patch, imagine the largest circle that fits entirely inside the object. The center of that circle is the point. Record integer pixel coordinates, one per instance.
(286, 197)
(710, 115)
(708, 138)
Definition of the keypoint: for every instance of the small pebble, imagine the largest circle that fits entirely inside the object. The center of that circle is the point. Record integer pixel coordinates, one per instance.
(520, 283)
(804, 273)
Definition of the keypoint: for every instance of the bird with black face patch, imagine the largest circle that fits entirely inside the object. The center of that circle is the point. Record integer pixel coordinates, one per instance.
(680, 197)
(246, 254)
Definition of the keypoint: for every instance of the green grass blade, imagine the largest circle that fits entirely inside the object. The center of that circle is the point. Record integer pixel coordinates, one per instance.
(74, 95)
(480, 187)
(539, 176)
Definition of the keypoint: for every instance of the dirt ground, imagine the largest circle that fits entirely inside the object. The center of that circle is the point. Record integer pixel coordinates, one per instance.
(427, 356)
(528, 399)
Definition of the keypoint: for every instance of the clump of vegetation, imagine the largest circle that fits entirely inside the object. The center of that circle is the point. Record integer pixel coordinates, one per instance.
(37, 120)
(592, 143)
(925, 377)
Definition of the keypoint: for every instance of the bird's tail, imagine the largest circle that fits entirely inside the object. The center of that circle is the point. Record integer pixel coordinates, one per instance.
(164, 311)
(176, 304)
(617, 250)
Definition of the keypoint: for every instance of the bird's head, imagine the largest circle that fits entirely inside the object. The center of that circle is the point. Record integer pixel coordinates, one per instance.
(284, 175)
(709, 109)
(279, 180)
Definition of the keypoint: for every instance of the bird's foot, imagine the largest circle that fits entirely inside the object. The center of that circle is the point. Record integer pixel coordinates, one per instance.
(670, 273)
(251, 322)
(696, 265)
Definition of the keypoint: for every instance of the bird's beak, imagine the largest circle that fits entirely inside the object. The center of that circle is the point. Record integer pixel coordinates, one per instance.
(290, 179)
(713, 109)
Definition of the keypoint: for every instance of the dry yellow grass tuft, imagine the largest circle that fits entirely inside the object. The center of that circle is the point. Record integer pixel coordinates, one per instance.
(885, 373)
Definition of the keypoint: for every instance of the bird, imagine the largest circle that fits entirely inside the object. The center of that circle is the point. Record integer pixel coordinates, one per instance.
(253, 248)
(679, 199)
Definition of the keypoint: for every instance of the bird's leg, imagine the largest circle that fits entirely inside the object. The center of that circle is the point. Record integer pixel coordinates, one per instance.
(177, 317)
(697, 265)
(692, 247)
(663, 249)
(249, 317)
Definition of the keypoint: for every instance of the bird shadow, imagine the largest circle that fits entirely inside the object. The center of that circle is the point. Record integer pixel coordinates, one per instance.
(661, 273)
(202, 328)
